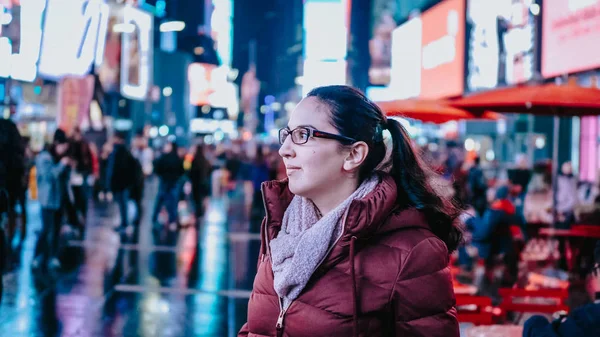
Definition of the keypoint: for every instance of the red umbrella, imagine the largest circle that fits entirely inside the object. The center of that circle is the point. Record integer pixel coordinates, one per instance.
(545, 99)
(431, 111)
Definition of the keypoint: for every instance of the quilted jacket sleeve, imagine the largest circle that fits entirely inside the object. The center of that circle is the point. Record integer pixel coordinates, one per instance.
(423, 299)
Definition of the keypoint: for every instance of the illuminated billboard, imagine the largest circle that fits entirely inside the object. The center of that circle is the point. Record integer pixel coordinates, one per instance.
(20, 38)
(136, 60)
(73, 29)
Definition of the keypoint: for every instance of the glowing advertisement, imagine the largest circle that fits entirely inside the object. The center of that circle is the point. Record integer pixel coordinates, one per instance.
(443, 44)
(136, 54)
(73, 30)
(405, 74)
(570, 36)
(501, 43)
(428, 54)
(74, 98)
(20, 39)
(199, 79)
(208, 86)
(222, 29)
(325, 43)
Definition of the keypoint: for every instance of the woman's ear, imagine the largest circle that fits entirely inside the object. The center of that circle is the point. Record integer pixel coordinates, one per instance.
(357, 155)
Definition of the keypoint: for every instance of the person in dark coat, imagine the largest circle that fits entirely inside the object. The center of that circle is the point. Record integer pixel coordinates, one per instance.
(12, 169)
(169, 169)
(120, 176)
(52, 170)
(477, 186)
(354, 242)
(200, 180)
(82, 155)
(581, 322)
(492, 235)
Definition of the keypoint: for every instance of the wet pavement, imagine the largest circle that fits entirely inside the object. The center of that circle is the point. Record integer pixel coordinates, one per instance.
(193, 281)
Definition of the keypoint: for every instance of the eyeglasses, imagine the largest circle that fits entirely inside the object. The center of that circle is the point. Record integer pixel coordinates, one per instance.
(301, 135)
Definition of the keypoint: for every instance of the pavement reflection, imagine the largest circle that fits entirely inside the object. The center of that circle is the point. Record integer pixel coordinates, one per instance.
(153, 281)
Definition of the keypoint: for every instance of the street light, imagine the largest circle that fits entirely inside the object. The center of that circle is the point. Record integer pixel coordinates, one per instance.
(167, 91)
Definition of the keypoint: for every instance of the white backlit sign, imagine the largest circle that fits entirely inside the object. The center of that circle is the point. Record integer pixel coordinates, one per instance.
(136, 54)
(501, 44)
(405, 74)
(325, 43)
(72, 32)
(320, 73)
(23, 65)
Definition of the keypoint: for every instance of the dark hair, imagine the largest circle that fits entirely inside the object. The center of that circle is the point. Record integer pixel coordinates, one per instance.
(60, 137)
(355, 116)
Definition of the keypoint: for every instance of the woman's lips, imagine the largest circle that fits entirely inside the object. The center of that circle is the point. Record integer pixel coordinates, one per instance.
(291, 169)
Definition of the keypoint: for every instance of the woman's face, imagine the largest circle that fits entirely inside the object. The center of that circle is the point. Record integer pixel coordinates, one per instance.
(315, 167)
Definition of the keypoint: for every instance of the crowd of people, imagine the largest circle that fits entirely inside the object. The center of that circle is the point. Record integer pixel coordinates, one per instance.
(70, 170)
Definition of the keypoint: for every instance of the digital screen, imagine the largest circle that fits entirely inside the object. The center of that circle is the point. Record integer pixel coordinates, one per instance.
(20, 38)
(570, 36)
(109, 69)
(405, 74)
(386, 15)
(71, 33)
(443, 44)
(136, 54)
(325, 43)
(501, 43)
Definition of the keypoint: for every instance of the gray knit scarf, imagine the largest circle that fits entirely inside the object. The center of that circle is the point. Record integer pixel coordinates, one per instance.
(304, 240)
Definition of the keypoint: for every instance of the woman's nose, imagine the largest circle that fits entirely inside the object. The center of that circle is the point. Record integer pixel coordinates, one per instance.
(286, 150)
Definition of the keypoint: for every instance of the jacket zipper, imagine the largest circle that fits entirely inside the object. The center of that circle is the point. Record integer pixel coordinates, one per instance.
(281, 317)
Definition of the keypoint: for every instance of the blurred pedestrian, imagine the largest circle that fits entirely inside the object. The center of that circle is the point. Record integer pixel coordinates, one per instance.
(537, 206)
(52, 180)
(493, 238)
(260, 173)
(120, 176)
(169, 169)
(82, 156)
(477, 187)
(566, 196)
(353, 244)
(200, 179)
(12, 170)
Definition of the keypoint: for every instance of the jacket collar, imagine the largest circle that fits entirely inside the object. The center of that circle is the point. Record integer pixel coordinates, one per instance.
(366, 217)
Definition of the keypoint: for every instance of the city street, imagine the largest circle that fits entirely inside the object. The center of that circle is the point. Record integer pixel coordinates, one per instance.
(171, 283)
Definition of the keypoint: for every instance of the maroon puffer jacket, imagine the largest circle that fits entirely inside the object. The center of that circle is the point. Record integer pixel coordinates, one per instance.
(388, 275)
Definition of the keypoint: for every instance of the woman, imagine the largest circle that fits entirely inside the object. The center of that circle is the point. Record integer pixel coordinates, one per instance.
(347, 249)
(52, 179)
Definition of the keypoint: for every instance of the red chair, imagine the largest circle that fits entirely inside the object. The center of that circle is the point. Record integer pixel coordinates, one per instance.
(519, 300)
(474, 309)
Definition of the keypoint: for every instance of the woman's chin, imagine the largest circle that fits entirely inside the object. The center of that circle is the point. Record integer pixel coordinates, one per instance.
(295, 187)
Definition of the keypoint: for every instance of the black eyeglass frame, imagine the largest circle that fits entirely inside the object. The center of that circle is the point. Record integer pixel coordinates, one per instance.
(316, 134)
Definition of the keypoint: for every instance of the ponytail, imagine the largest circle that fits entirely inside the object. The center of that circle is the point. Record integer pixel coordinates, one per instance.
(414, 184)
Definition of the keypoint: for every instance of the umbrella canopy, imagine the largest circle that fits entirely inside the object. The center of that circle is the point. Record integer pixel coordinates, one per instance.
(431, 111)
(545, 99)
